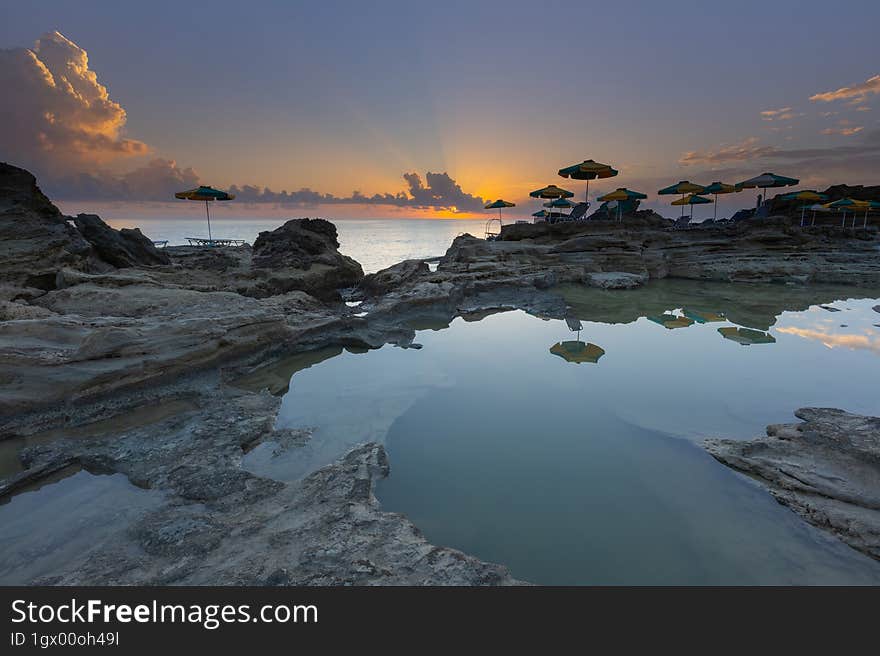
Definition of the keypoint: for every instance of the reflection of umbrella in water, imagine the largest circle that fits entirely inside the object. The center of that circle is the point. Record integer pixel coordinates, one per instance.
(746, 336)
(577, 351)
(704, 317)
(670, 321)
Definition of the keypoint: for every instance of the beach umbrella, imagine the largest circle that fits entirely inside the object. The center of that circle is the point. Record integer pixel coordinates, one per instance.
(817, 208)
(499, 204)
(559, 203)
(872, 205)
(551, 191)
(809, 197)
(588, 170)
(682, 188)
(848, 204)
(767, 181)
(691, 200)
(746, 336)
(207, 194)
(622, 194)
(719, 188)
(577, 352)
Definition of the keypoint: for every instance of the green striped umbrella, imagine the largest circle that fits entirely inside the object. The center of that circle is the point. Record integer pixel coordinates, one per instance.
(850, 204)
(767, 181)
(560, 202)
(499, 205)
(551, 192)
(809, 198)
(588, 170)
(681, 188)
(206, 194)
(719, 188)
(622, 194)
(692, 200)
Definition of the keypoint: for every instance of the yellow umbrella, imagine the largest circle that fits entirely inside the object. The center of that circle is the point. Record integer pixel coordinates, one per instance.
(620, 195)
(691, 200)
(683, 187)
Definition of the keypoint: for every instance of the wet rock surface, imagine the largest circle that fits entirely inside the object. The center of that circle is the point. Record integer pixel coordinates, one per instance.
(219, 524)
(825, 468)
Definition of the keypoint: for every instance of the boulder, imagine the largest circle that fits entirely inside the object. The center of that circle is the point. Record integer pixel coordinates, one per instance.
(303, 254)
(36, 240)
(121, 248)
(381, 282)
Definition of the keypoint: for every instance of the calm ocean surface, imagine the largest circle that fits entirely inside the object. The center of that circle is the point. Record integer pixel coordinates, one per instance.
(375, 243)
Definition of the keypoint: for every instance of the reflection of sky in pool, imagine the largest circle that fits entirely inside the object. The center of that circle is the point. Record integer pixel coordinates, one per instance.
(575, 472)
(64, 520)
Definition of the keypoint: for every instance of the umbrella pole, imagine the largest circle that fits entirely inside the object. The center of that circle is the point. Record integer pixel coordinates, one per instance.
(803, 210)
(208, 214)
(813, 221)
(715, 214)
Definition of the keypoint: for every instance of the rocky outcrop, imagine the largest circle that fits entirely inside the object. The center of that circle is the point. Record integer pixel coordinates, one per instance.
(826, 469)
(36, 240)
(121, 248)
(768, 250)
(308, 245)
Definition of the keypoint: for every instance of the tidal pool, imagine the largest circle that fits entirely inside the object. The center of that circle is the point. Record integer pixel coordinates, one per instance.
(569, 450)
(63, 519)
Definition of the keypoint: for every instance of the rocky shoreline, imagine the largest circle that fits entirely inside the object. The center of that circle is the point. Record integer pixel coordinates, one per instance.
(96, 324)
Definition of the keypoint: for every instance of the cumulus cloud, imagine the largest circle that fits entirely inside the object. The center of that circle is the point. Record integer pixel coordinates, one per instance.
(781, 114)
(58, 114)
(857, 92)
(740, 152)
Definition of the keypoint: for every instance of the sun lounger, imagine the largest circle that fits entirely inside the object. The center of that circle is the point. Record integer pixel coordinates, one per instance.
(162, 243)
(212, 243)
(579, 211)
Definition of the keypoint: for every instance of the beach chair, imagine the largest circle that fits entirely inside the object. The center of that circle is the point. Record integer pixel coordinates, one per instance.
(682, 222)
(579, 212)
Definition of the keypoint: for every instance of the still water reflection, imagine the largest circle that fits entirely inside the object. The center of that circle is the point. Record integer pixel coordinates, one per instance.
(573, 457)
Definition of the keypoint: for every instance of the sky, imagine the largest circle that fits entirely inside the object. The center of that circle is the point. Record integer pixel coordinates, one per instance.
(430, 109)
